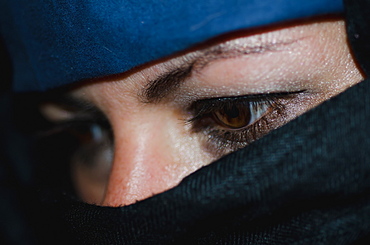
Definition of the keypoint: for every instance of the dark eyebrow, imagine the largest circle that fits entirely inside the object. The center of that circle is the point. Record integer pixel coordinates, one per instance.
(166, 84)
(169, 82)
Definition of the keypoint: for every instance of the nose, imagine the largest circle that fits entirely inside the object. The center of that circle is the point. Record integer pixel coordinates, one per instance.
(150, 157)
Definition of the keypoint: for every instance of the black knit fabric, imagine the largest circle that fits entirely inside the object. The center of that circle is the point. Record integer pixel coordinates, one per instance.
(305, 183)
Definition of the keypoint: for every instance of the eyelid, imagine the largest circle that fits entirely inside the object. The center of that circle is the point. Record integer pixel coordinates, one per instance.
(78, 125)
(72, 114)
(55, 113)
(65, 107)
(208, 105)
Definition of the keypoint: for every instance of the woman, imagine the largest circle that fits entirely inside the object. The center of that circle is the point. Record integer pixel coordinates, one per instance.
(186, 95)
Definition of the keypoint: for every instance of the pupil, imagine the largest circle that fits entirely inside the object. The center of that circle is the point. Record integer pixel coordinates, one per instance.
(233, 112)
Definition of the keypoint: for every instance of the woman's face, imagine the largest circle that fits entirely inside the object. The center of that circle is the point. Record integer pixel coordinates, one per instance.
(175, 116)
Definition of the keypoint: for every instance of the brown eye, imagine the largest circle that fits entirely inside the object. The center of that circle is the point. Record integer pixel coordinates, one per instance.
(233, 116)
(237, 116)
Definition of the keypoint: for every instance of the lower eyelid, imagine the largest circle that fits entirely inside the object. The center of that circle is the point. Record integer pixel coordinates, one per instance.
(222, 141)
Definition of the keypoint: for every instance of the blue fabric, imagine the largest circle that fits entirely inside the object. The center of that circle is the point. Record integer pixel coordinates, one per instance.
(58, 42)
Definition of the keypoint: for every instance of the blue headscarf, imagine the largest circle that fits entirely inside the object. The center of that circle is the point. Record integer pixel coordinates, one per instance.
(58, 42)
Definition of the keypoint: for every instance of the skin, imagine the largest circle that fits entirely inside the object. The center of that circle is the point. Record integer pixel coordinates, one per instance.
(154, 147)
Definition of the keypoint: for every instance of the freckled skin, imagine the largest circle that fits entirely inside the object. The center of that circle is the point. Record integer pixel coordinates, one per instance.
(155, 149)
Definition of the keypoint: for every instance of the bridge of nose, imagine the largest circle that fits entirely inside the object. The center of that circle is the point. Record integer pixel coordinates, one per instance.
(146, 159)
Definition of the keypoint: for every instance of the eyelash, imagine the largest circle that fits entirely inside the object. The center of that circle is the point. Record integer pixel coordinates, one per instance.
(221, 139)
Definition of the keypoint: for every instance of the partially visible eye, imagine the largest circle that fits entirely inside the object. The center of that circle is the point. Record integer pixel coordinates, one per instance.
(236, 116)
(90, 138)
(91, 160)
(91, 163)
(231, 123)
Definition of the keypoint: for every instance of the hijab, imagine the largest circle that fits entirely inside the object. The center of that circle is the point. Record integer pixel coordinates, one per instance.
(307, 182)
(96, 39)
